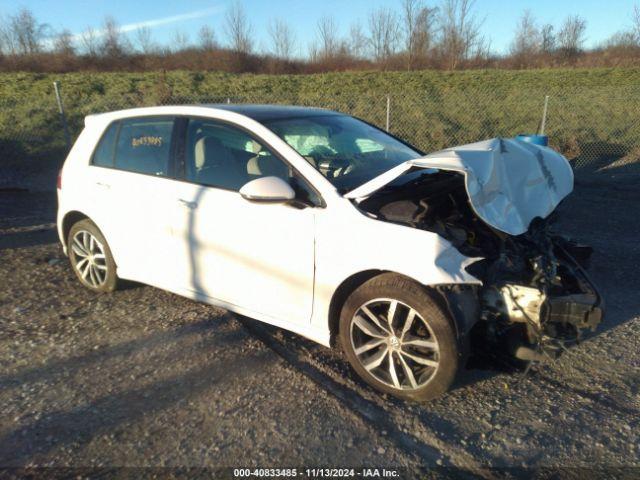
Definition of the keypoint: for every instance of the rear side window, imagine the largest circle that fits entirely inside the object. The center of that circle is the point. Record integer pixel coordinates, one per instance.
(103, 155)
(143, 145)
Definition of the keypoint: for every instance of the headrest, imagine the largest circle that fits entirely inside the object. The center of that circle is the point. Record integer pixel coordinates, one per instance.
(205, 146)
(255, 147)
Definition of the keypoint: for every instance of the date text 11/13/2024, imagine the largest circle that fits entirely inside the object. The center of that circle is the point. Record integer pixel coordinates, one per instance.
(316, 472)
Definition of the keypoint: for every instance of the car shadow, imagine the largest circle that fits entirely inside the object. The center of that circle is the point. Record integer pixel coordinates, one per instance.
(75, 363)
(29, 238)
(22, 209)
(48, 431)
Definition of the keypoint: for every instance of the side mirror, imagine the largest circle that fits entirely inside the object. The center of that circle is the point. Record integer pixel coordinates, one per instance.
(268, 189)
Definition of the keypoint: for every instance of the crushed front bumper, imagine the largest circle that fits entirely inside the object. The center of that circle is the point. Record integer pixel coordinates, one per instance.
(584, 306)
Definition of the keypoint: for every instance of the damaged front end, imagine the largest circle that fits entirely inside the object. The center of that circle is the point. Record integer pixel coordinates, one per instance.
(536, 297)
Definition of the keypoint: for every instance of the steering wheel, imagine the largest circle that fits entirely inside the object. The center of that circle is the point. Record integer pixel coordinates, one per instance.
(327, 162)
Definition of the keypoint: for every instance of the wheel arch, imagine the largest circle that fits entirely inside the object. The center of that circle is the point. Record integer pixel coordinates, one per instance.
(69, 220)
(457, 301)
(348, 285)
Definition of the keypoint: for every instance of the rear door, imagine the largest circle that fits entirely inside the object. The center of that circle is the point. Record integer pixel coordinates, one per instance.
(132, 178)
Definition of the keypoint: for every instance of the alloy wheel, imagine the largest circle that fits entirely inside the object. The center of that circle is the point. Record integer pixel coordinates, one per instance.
(394, 344)
(89, 259)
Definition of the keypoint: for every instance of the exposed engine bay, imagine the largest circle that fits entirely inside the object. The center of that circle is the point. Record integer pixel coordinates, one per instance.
(536, 296)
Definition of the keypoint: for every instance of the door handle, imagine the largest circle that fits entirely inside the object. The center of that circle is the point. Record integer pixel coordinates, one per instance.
(187, 203)
(103, 185)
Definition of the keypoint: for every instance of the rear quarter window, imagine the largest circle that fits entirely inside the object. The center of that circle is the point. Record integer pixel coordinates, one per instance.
(143, 145)
(104, 152)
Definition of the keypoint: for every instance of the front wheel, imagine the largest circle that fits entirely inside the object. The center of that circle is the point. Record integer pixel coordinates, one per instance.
(91, 257)
(398, 339)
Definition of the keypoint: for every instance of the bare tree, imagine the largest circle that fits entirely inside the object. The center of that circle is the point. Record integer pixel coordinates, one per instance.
(328, 39)
(481, 49)
(144, 41)
(629, 37)
(459, 31)
(89, 42)
(635, 23)
(207, 38)
(238, 29)
(571, 36)
(7, 45)
(63, 43)
(180, 41)
(623, 38)
(358, 41)
(26, 32)
(526, 40)
(418, 21)
(282, 38)
(312, 48)
(547, 39)
(410, 9)
(113, 45)
(424, 32)
(384, 33)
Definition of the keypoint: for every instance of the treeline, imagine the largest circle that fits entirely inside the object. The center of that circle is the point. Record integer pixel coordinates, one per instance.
(413, 36)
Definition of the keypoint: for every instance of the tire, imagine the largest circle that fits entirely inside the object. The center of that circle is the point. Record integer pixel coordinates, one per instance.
(91, 258)
(426, 357)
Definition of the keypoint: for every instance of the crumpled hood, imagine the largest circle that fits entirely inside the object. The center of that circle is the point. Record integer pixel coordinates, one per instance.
(509, 182)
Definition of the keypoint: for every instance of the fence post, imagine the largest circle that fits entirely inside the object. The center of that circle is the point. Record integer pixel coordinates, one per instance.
(544, 115)
(388, 111)
(63, 118)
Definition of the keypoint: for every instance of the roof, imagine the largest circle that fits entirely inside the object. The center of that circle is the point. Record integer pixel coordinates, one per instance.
(261, 113)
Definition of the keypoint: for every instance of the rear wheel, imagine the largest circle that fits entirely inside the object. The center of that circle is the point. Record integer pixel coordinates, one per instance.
(398, 339)
(91, 258)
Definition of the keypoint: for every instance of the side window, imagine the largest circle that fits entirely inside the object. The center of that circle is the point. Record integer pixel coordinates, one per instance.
(304, 191)
(103, 154)
(143, 145)
(219, 155)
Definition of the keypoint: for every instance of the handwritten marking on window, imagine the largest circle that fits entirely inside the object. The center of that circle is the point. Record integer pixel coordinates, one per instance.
(147, 141)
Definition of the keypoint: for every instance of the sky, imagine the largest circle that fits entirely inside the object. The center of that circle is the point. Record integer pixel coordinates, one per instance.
(165, 17)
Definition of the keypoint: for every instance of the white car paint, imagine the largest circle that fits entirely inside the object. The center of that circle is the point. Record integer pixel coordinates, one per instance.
(509, 182)
(267, 187)
(270, 261)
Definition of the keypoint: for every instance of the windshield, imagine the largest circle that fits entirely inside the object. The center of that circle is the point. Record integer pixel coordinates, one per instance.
(347, 151)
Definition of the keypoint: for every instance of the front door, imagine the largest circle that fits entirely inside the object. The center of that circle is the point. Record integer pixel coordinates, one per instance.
(257, 256)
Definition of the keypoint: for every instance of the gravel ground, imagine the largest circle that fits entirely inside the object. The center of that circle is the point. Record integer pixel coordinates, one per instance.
(142, 377)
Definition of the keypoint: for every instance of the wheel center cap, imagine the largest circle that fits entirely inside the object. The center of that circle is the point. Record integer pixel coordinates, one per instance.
(394, 342)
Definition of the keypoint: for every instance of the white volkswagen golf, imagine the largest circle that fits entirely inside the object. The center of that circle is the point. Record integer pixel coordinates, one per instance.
(324, 225)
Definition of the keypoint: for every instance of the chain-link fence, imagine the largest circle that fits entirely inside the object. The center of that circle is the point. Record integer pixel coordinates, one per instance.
(596, 128)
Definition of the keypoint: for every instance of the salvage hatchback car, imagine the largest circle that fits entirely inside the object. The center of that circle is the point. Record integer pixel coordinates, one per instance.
(324, 225)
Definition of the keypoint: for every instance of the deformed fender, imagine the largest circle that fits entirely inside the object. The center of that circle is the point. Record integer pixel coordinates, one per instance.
(420, 255)
(463, 305)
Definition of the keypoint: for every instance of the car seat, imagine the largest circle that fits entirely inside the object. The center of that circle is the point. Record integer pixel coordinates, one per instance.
(216, 165)
(264, 164)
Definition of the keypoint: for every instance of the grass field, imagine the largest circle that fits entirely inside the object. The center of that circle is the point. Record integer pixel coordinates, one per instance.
(593, 113)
